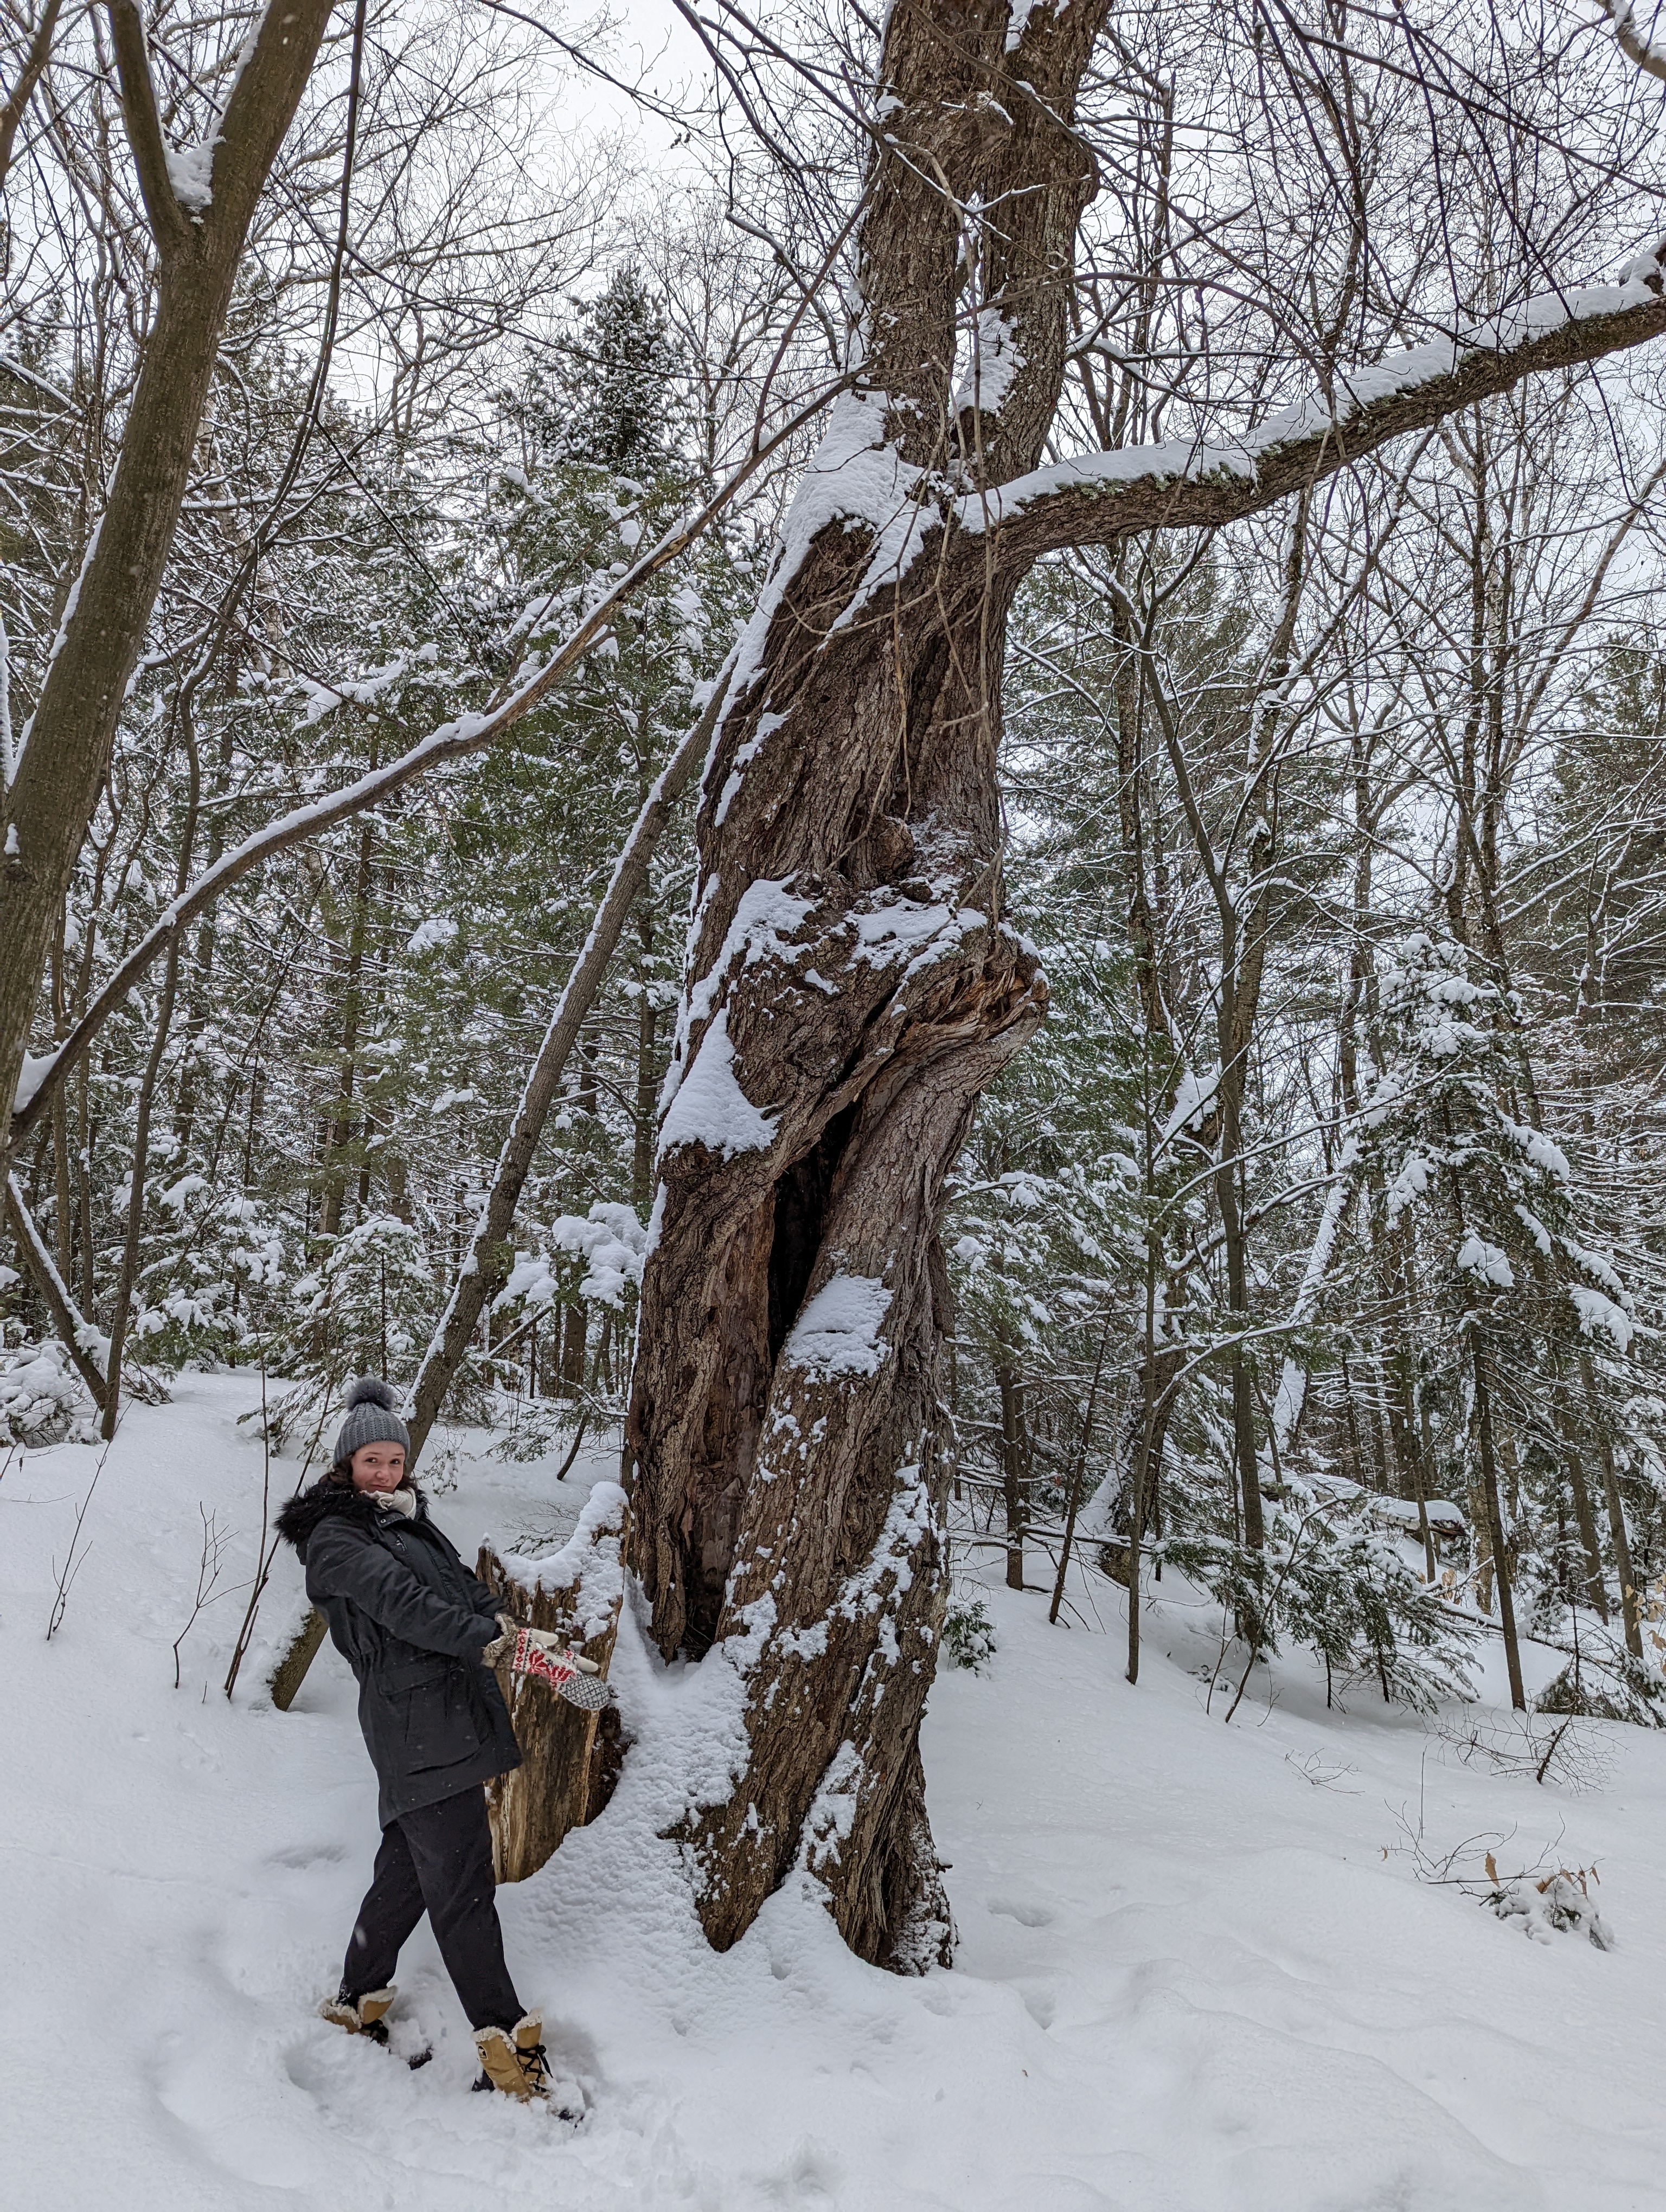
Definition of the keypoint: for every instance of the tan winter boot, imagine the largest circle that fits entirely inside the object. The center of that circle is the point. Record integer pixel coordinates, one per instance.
(365, 2015)
(513, 2059)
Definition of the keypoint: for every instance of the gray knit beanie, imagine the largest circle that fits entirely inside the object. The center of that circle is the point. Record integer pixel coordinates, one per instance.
(371, 1419)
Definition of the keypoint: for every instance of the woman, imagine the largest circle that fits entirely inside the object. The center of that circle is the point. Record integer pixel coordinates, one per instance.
(419, 1631)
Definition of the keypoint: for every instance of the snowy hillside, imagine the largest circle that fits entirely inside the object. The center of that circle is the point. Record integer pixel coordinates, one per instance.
(1190, 1979)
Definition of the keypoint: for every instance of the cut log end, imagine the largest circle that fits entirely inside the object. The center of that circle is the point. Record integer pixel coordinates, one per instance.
(571, 1758)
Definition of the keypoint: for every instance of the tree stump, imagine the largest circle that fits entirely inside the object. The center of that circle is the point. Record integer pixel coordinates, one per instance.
(569, 1758)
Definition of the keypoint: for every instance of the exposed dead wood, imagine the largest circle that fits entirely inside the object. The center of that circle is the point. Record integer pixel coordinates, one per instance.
(568, 1763)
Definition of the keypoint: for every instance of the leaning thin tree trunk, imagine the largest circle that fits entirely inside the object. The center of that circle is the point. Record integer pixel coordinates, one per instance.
(302, 1649)
(137, 1168)
(1013, 1469)
(76, 1333)
(483, 1270)
(1489, 1473)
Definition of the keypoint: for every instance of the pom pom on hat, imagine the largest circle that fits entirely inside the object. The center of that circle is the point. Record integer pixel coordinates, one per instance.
(371, 1419)
(370, 1390)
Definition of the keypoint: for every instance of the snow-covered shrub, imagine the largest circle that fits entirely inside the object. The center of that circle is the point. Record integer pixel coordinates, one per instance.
(596, 1258)
(1333, 1583)
(207, 1271)
(969, 1634)
(1560, 1904)
(1604, 1681)
(368, 1307)
(42, 1400)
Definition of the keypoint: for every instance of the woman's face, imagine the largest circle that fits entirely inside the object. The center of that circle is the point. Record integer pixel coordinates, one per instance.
(379, 1467)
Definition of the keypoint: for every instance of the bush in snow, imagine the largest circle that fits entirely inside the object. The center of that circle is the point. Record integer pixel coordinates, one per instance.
(969, 1634)
(1332, 1582)
(42, 1399)
(1604, 1681)
(1560, 1904)
(367, 1308)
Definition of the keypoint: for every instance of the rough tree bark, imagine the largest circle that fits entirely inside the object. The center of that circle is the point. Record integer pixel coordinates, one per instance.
(569, 1758)
(851, 989)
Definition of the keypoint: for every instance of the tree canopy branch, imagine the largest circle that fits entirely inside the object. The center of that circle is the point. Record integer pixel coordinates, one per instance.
(454, 740)
(169, 223)
(1180, 485)
(35, 65)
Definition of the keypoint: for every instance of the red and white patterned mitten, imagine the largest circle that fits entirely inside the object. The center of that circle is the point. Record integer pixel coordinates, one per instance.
(569, 1674)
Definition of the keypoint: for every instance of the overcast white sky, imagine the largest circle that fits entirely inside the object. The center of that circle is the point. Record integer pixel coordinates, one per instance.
(651, 44)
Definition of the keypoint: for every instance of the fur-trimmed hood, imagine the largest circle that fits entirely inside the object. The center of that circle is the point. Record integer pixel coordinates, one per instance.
(303, 1513)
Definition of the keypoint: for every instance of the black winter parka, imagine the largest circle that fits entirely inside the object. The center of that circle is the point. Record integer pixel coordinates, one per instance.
(411, 1621)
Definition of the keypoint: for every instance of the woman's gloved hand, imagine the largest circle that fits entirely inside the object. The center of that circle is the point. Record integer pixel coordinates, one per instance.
(518, 1644)
(549, 1659)
(552, 1646)
(499, 1649)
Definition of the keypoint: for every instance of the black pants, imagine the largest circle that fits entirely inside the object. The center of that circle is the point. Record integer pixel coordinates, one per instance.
(438, 1858)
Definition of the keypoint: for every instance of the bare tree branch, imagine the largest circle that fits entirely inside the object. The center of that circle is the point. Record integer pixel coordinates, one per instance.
(34, 63)
(170, 225)
(469, 733)
(1195, 485)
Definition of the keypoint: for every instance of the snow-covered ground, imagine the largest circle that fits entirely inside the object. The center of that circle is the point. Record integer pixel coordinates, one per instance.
(1190, 1978)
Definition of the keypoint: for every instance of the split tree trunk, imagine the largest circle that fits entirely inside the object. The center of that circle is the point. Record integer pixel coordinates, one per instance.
(569, 1758)
(850, 991)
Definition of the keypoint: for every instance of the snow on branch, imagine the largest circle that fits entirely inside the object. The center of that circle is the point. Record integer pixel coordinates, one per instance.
(453, 740)
(158, 184)
(1647, 48)
(1199, 484)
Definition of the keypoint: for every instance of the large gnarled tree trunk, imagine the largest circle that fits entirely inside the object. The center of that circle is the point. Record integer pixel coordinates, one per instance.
(851, 989)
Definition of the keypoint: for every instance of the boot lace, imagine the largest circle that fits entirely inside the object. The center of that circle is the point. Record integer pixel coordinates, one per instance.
(535, 2066)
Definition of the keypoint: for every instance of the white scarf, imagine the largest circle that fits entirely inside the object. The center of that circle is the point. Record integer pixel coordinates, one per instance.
(401, 1500)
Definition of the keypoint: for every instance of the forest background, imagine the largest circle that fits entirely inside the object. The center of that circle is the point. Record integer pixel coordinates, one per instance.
(1311, 1246)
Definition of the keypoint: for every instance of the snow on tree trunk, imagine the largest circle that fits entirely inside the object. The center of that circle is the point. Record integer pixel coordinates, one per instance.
(850, 990)
(1292, 1375)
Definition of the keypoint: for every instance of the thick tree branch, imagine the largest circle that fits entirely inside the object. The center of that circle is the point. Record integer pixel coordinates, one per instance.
(469, 733)
(170, 225)
(1631, 41)
(1107, 496)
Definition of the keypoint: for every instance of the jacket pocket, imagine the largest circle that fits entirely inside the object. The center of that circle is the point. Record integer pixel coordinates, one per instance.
(416, 1673)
